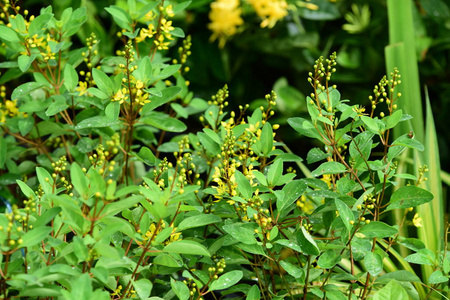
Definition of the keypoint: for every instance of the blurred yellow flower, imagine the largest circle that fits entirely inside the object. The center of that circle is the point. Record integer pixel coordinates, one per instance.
(270, 11)
(417, 221)
(225, 16)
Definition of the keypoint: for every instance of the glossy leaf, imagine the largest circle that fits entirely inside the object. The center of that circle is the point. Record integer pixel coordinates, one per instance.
(331, 167)
(306, 242)
(198, 221)
(187, 247)
(377, 229)
(240, 233)
(226, 280)
(409, 196)
(373, 263)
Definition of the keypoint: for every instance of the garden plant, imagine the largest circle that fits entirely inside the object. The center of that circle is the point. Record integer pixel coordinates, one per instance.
(118, 182)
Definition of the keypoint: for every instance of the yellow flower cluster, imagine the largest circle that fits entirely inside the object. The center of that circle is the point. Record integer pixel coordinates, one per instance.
(270, 11)
(225, 16)
(8, 108)
(161, 33)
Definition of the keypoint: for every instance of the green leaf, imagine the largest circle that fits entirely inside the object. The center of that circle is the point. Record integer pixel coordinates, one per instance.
(373, 263)
(437, 277)
(407, 141)
(147, 156)
(392, 291)
(167, 95)
(307, 243)
(9, 35)
(35, 236)
(244, 186)
(180, 289)
(293, 270)
(25, 61)
(57, 106)
(79, 180)
(371, 124)
(81, 287)
(198, 221)
(187, 247)
(120, 205)
(168, 260)
(345, 213)
(315, 155)
(103, 82)
(266, 139)
(3, 148)
(96, 122)
(45, 179)
(112, 111)
(409, 196)
(70, 77)
(167, 72)
(331, 167)
(393, 119)
(121, 17)
(240, 233)
(143, 287)
(377, 229)
(39, 23)
(226, 280)
(275, 172)
(26, 190)
(164, 122)
(208, 143)
(253, 293)
(400, 275)
(292, 191)
(304, 127)
(25, 89)
(329, 259)
(47, 216)
(422, 257)
(39, 292)
(25, 125)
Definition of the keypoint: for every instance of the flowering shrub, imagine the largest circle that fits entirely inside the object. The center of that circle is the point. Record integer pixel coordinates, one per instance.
(109, 194)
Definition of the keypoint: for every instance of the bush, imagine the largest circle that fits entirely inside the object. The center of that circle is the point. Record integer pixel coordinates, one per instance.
(110, 195)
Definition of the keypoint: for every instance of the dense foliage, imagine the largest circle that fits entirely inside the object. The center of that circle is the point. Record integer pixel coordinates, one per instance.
(120, 182)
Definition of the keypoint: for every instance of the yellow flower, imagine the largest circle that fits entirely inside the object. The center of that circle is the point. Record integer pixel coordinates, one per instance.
(121, 96)
(305, 205)
(417, 221)
(225, 16)
(82, 88)
(270, 11)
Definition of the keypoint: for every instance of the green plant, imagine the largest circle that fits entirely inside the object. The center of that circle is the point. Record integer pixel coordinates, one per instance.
(114, 197)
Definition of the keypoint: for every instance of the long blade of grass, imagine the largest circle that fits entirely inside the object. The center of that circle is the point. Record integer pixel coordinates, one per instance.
(401, 53)
(432, 213)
